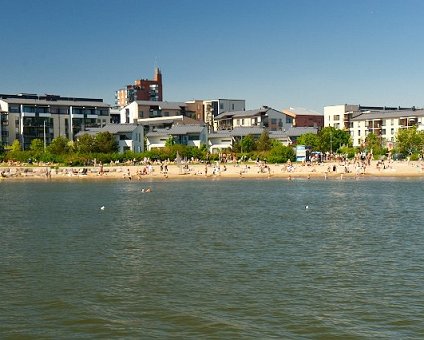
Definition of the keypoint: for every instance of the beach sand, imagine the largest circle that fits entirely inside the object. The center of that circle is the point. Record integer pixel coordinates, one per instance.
(330, 170)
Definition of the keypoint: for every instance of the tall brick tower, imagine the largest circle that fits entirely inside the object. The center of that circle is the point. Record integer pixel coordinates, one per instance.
(143, 89)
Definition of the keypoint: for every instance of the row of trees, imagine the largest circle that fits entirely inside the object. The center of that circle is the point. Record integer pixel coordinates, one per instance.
(104, 147)
(62, 150)
(409, 142)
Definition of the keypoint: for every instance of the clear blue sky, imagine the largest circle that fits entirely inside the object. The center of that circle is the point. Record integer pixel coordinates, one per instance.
(279, 53)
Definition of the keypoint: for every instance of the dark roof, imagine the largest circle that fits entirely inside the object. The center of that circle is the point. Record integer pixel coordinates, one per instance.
(118, 128)
(162, 105)
(298, 131)
(221, 134)
(56, 102)
(114, 129)
(178, 120)
(247, 113)
(177, 130)
(387, 114)
(244, 131)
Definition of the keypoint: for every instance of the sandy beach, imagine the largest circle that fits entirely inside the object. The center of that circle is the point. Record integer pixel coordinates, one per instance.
(330, 170)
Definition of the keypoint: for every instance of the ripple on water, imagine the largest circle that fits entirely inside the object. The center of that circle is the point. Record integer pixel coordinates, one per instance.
(222, 259)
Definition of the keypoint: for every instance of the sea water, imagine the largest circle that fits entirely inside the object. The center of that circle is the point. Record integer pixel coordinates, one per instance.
(212, 259)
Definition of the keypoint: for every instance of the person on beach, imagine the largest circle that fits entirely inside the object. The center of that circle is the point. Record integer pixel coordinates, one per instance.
(129, 174)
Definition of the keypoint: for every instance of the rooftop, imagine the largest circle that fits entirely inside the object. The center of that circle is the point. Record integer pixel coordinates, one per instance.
(390, 114)
(300, 111)
(45, 102)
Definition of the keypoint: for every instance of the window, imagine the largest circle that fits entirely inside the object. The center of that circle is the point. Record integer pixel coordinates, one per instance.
(289, 120)
(232, 106)
(127, 116)
(359, 132)
(221, 106)
(30, 109)
(336, 117)
(14, 108)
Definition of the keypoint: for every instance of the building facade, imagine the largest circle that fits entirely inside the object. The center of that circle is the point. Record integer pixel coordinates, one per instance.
(304, 117)
(264, 117)
(213, 108)
(360, 120)
(129, 137)
(142, 89)
(26, 117)
(185, 134)
(142, 109)
(385, 125)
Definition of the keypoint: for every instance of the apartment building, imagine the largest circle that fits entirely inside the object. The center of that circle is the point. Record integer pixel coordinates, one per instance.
(142, 89)
(26, 117)
(383, 121)
(384, 124)
(142, 109)
(264, 117)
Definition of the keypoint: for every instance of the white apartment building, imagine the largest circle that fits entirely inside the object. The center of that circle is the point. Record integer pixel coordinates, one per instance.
(384, 122)
(142, 109)
(338, 116)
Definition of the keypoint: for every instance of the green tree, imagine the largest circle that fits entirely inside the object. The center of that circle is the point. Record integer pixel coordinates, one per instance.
(264, 142)
(105, 142)
(86, 144)
(37, 145)
(309, 139)
(170, 141)
(281, 154)
(410, 141)
(247, 143)
(331, 139)
(373, 143)
(16, 146)
(59, 146)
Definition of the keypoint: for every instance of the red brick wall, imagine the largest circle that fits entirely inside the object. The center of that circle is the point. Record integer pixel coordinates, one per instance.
(310, 121)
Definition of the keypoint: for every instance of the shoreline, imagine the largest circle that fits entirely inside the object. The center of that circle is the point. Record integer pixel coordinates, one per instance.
(323, 171)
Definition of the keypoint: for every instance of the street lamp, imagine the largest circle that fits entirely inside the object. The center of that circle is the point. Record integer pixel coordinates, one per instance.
(44, 135)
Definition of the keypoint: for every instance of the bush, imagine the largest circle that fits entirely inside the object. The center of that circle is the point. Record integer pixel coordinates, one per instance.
(349, 151)
(281, 154)
(415, 157)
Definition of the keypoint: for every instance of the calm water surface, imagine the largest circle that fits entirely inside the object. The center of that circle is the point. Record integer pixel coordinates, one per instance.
(212, 259)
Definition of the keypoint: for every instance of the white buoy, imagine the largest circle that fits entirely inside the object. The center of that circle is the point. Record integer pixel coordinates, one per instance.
(102, 207)
(306, 207)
